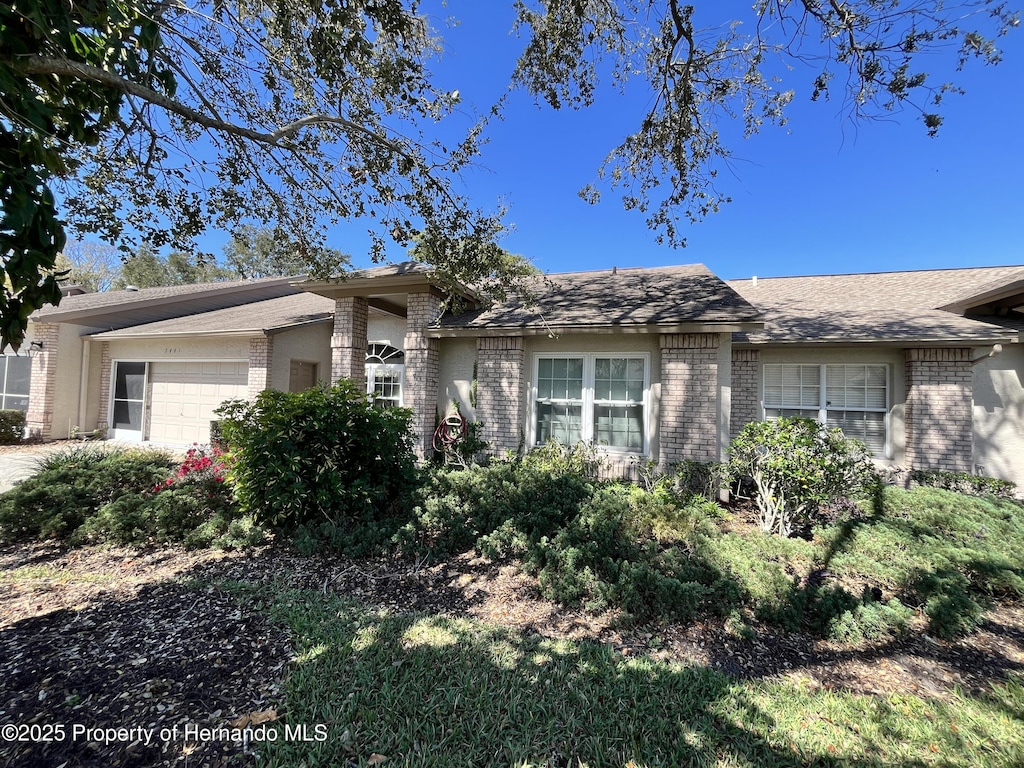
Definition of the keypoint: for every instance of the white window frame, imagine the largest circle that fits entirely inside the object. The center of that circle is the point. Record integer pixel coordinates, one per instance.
(379, 352)
(820, 410)
(588, 400)
(5, 377)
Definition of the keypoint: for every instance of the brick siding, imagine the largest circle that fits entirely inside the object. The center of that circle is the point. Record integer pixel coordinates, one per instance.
(106, 371)
(43, 382)
(499, 374)
(746, 391)
(261, 361)
(348, 344)
(689, 397)
(938, 415)
(422, 368)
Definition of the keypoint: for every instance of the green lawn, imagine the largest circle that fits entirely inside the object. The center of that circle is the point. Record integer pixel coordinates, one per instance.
(426, 690)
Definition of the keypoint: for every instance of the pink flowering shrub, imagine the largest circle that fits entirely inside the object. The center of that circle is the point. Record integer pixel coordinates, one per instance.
(201, 465)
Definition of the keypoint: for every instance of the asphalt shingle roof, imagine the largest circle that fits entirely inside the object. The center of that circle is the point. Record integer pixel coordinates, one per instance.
(882, 306)
(124, 299)
(256, 317)
(623, 297)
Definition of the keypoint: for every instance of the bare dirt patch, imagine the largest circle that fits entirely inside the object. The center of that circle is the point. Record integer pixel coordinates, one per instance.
(111, 637)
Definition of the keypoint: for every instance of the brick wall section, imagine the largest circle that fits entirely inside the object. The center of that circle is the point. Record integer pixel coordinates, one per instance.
(106, 369)
(43, 382)
(689, 397)
(938, 415)
(348, 344)
(499, 375)
(746, 397)
(261, 361)
(422, 366)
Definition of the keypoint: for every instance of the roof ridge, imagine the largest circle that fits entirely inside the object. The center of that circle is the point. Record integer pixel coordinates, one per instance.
(876, 273)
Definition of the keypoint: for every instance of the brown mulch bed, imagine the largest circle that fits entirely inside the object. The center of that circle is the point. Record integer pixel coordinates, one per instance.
(108, 637)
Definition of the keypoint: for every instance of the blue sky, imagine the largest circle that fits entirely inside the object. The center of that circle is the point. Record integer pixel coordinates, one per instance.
(820, 195)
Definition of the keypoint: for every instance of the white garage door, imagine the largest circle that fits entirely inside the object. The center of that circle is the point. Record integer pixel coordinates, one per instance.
(184, 396)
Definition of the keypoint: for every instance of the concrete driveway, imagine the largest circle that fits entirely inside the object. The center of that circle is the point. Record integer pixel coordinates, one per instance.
(19, 462)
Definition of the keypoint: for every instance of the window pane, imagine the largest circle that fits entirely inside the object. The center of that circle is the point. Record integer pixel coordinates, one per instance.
(876, 376)
(786, 413)
(619, 378)
(127, 415)
(19, 373)
(130, 383)
(619, 426)
(561, 423)
(792, 386)
(866, 426)
(14, 402)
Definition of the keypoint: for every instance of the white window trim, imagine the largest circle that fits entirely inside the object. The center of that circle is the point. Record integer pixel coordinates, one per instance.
(587, 426)
(823, 406)
(399, 368)
(4, 379)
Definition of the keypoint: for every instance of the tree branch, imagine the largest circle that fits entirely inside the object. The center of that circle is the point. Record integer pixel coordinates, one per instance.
(43, 65)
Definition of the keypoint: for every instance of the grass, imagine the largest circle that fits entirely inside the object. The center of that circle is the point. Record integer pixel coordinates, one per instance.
(427, 690)
(51, 573)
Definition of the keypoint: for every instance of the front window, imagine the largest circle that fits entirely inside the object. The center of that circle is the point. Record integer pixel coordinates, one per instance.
(601, 398)
(854, 398)
(15, 374)
(385, 374)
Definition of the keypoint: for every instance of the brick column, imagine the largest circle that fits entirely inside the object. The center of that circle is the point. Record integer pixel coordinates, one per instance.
(938, 415)
(106, 369)
(261, 361)
(689, 397)
(43, 383)
(499, 388)
(348, 344)
(422, 368)
(746, 395)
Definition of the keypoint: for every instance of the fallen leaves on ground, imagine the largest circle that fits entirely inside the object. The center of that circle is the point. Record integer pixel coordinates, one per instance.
(112, 637)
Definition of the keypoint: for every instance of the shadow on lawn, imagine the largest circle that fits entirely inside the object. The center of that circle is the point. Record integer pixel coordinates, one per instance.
(434, 691)
(425, 691)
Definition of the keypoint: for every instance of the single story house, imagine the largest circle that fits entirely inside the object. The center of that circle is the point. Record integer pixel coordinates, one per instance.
(666, 364)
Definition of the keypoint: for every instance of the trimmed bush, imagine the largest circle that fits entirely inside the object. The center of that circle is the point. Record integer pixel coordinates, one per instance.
(71, 487)
(12, 427)
(325, 456)
(797, 465)
(963, 482)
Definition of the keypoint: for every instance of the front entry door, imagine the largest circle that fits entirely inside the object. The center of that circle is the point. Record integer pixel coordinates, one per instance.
(129, 401)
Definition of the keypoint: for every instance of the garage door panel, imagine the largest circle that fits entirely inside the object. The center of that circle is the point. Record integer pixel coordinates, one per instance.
(185, 395)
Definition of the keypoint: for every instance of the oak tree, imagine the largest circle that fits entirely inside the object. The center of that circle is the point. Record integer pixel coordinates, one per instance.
(155, 119)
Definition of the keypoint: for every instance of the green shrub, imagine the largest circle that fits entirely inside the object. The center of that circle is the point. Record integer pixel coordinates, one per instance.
(71, 486)
(844, 619)
(964, 482)
(597, 562)
(459, 508)
(582, 459)
(322, 456)
(12, 427)
(797, 465)
(951, 608)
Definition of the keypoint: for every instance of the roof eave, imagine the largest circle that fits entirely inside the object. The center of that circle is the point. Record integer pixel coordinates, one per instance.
(72, 315)
(565, 330)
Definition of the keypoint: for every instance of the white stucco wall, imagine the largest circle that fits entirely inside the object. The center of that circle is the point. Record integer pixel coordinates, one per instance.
(892, 358)
(387, 329)
(455, 377)
(310, 344)
(999, 414)
(181, 348)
